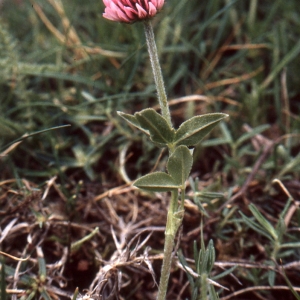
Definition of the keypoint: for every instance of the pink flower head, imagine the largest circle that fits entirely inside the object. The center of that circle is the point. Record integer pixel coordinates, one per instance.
(130, 11)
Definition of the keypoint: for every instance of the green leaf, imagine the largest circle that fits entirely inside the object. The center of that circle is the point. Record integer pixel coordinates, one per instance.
(204, 266)
(286, 208)
(212, 292)
(24, 279)
(132, 120)
(180, 164)
(42, 267)
(290, 285)
(76, 293)
(263, 221)
(290, 245)
(211, 256)
(157, 182)
(192, 131)
(200, 206)
(226, 272)
(251, 134)
(280, 228)
(185, 265)
(31, 295)
(208, 195)
(256, 226)
(156, 125)
(226, 133)
(290, 167)
(271, 277)
(26, 136)
(45, 294)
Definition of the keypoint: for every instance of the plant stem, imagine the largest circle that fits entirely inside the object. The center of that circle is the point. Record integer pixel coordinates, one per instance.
(175, 215)
(158, 78)
(174, 220)
(203, 293)
(166, 267)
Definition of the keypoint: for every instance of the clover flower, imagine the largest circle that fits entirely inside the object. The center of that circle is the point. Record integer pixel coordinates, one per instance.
(129, 11)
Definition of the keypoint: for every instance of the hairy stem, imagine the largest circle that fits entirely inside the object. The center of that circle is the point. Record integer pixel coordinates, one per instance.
(158, 78)
(174, 220)
(166, 267)
(175, 215)
(204, 285)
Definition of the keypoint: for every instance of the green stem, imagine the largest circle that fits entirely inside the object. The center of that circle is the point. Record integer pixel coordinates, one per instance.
(175, 215)
(182, 198)
(204, 285)
(252, 14)
(158, 78)
(174, 220)
(276, 248)
(166, 267)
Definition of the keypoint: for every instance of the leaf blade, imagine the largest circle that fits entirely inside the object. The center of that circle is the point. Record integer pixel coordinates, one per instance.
(156, 182)
(192, 131)
(180, 164)
(132, 120)
(157, 126)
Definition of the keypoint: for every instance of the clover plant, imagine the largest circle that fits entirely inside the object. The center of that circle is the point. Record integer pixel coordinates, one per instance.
(158, 127)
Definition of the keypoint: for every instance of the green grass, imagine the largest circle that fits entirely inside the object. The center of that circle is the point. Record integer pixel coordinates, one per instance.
(237, 57)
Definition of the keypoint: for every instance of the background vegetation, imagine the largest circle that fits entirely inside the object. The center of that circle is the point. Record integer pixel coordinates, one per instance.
(63, 64)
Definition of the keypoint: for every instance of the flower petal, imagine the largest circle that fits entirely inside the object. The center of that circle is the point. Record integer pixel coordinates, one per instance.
(129, 3)
(111, 11)
(160, 4)
(130, 11)
(109, 14)
(152, 10)
(142, 13)
(123, 17)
